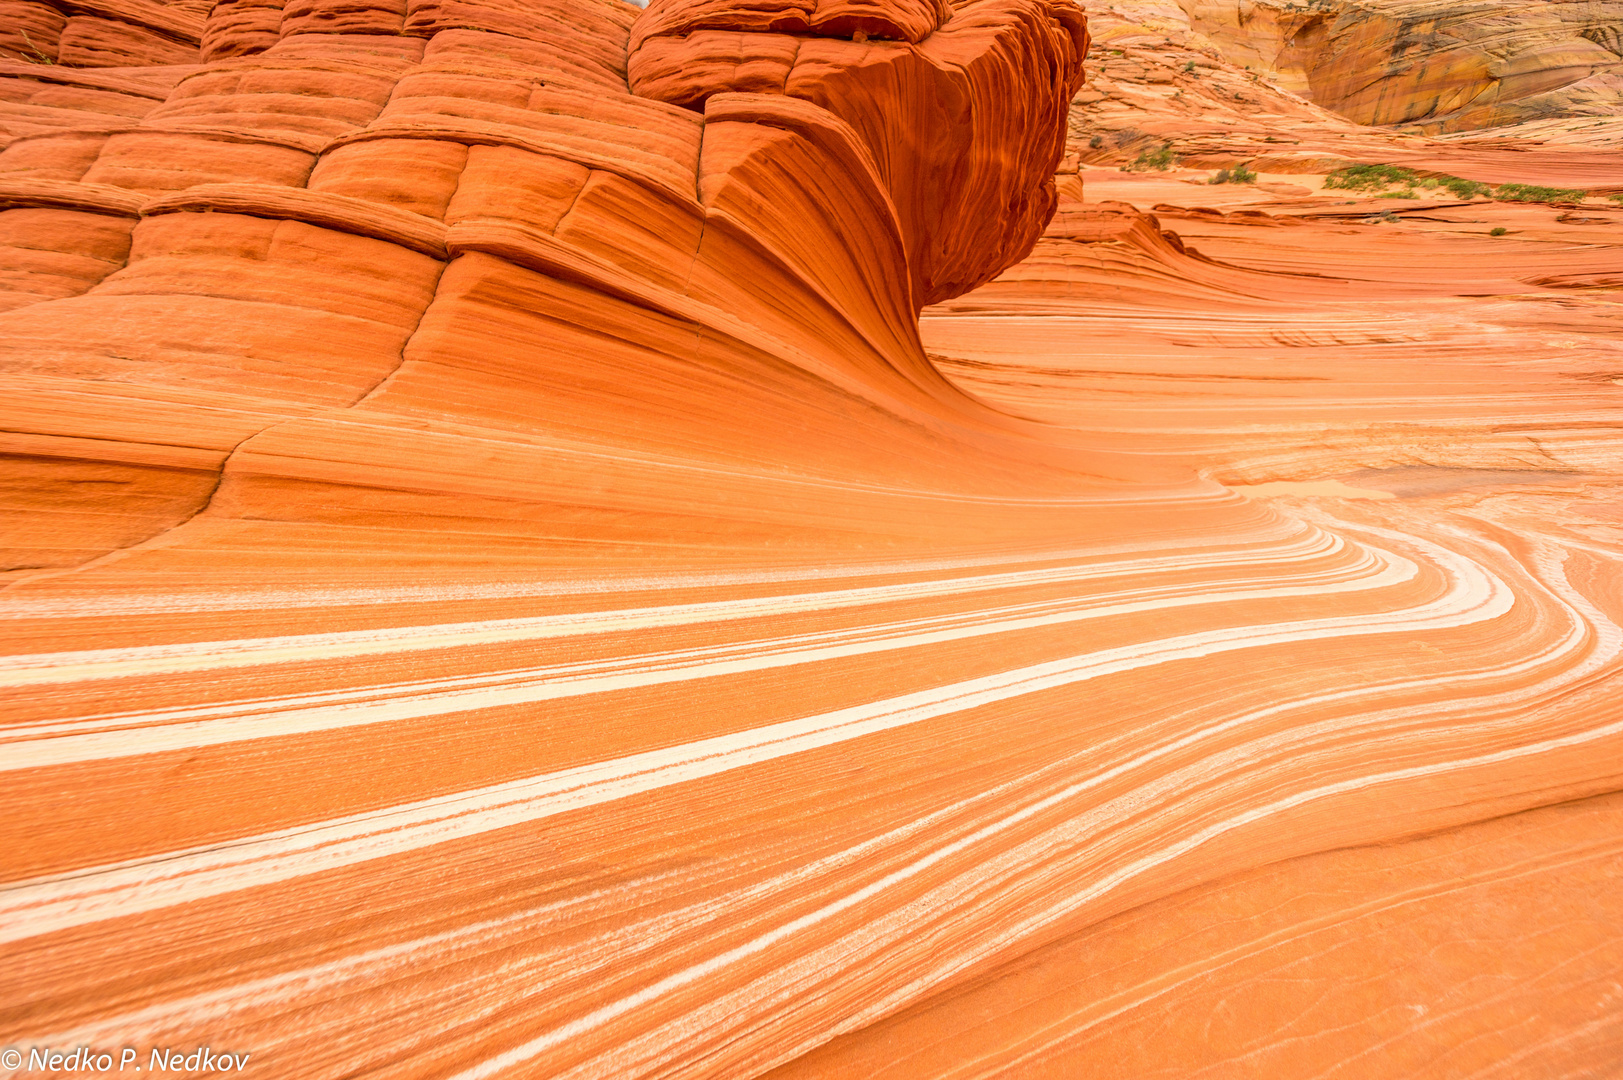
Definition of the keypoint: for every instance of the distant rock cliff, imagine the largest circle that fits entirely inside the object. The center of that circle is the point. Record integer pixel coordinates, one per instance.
(1447, 66)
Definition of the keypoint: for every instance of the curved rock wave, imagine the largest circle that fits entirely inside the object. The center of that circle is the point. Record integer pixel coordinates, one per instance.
(497, 583)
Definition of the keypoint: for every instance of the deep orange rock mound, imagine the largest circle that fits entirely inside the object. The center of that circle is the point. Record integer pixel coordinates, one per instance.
(309, 212)
(961, 119)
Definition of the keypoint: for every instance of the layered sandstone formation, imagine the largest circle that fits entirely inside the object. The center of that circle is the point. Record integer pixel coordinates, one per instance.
(502, 580)
(1447, 66)
(1160, 78)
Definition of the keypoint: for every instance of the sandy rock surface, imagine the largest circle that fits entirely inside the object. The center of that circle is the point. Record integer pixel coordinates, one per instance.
(562, 540)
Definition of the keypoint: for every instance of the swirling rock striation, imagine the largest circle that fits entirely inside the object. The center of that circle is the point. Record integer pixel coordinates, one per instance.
(494, 570)
(949, 127)
(305, 196)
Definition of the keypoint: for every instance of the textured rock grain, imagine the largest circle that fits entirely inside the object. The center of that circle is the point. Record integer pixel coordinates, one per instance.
(502, 579)
(1449, 66)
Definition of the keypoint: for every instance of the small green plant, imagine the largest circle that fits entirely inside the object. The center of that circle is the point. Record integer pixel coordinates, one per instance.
(1096, 142)
(1162, 159)
(1389, 217)
(1535, 193)
(1234, 174)
(1498, 230)
(1618, 198)
(1189, 66)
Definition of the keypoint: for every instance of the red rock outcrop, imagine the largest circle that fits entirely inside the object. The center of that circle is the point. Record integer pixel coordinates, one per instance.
(502, 579)
(947, 126)
(299, 202)
(1156, 80)
(1446, 66)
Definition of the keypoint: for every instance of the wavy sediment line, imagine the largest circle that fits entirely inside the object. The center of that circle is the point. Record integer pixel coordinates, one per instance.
(43, 745)
(270, 598)
(84, 665)
(1081, 834)
(670, 666)
(39, 907)
(644, 937)
(1238, 762)
(1033, 1047)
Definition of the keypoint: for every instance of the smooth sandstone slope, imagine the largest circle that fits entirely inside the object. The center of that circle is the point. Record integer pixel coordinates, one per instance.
(503, 584)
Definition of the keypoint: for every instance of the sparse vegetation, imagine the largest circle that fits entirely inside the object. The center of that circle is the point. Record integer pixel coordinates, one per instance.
(1379, 178)
(1618, 198)
(1535, 193)
(1096, 142)
(1463, 189)
(1498, 230)
(1162, 159)
(1369, 177)
(1234, 174)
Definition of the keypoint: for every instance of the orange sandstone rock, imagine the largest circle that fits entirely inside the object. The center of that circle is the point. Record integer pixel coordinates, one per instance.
(934, 111)
(494, 570)
(1451, 66)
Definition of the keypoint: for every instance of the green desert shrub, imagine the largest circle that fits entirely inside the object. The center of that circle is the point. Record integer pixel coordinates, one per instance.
(1379, 178)
(1369, 177)
(1463, 189)
(1162, 159)
(1535, 193)
(1498, 230)
(1234, 174)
